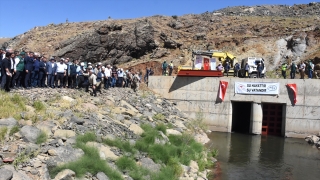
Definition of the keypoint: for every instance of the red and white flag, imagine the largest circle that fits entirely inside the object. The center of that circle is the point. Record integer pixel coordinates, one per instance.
(293, 87)
(223, 89)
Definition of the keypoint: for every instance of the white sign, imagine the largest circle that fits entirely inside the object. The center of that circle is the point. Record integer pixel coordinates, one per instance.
(213, 62)
(198, 64)
(256, 88)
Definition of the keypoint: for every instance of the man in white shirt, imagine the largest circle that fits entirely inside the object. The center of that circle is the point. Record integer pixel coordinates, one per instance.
(107, 78)
(60, 72)
(120, 77)
(302, 69)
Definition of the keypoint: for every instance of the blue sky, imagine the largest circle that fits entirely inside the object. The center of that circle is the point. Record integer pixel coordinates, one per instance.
(19, 16)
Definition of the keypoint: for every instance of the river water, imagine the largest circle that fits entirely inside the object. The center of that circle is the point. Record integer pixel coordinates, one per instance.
(255, 157)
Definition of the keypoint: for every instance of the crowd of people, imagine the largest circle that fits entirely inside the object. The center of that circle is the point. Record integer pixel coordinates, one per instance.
(31, 70)
(304, 68)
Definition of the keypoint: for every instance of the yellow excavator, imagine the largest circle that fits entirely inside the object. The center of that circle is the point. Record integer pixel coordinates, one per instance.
(221, 57)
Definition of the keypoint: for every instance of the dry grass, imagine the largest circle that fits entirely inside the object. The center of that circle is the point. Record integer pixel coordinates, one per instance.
(11, 105)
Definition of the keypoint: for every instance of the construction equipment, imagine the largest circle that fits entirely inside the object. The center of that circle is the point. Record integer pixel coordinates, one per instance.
(220, 56)
(253, 63)
(206, 62)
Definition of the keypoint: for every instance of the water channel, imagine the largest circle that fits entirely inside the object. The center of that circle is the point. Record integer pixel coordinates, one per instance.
(253, 157)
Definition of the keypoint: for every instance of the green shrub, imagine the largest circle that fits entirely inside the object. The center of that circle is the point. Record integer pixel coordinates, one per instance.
(175, 166)
(89, 162)
(38, 106)
(166, 173)
(162, 127)
(126, 163)
(159, 117)
(121, 144)
(13, 130)
(87, 137)
(3, 132)
(42, 138)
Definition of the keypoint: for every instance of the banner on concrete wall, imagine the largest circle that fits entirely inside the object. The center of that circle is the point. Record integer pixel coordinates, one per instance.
(256, 88)
(198, 62)
(213, 62)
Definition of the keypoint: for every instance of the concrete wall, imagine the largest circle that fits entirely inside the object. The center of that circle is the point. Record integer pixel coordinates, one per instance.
(195, 94)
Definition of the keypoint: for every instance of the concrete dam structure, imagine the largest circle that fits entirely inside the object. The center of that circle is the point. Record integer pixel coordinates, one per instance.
(274, 114)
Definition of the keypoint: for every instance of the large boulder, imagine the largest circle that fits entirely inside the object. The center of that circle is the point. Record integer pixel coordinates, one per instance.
(312, 139)
(102, 176)
(136, 129)
(16, 174)
(30, 133)
(5, 174)
(47, 126)
(104, 151)
(61, 133)
(149, 164)
(66, 174)
(9, 122)
(62, 155)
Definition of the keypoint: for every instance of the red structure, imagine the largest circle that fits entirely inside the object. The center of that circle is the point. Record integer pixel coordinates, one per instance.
(272, 119)
(200, 73)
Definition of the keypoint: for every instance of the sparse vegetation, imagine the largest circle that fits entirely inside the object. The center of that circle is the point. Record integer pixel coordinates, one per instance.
(159, 117)
(38, 106)
(24, 157)
(175, 17)
(89, 162)
(42, 137)
(11, 105)
(197, 123)
(13, 130)
(180, 150)
(121, 144)
(3, 132)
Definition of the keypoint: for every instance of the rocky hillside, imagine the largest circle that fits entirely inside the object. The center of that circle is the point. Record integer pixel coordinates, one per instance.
(61, 134)
(277, 33)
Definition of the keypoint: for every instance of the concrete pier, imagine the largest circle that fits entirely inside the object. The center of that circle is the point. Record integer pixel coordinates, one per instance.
(256, 118)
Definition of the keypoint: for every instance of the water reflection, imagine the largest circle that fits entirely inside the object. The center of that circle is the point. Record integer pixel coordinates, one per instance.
(247, 157)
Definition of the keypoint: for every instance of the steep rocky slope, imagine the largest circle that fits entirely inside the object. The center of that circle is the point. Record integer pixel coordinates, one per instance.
(278, 33)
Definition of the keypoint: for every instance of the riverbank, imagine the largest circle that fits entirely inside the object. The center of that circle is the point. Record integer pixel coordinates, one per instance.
(66, 133)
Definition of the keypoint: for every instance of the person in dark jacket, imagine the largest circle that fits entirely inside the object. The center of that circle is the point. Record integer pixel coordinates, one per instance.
(28, 66)
(259, 69)
(35, 71)
(73, 74)
(42, 72)
(51, 70)
(236, 70)
(5, 72)
(227, 68)
(18, 70)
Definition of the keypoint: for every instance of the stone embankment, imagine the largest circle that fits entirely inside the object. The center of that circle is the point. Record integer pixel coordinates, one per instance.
(44, 134)
(314, 140)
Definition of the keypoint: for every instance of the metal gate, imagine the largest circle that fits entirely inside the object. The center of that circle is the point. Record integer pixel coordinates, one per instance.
(272, 119)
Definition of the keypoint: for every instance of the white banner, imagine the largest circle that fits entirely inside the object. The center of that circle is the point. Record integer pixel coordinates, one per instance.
(213, 62)
(198, 64)
(256, 88)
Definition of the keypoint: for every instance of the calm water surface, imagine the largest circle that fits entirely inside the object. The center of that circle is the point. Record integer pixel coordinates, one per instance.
(250, 157)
